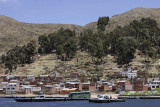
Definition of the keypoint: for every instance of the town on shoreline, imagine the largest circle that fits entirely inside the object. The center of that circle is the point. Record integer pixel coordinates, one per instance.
(128, 82)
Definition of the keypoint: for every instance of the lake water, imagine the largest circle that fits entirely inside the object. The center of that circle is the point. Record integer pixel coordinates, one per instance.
(9, 102)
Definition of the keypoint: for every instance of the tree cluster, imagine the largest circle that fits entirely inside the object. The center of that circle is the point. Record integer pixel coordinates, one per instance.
(145, 33)
(95, 43)
(64, 42)
(19, 55)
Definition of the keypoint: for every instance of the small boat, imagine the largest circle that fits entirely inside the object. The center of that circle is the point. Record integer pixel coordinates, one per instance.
(105, 99)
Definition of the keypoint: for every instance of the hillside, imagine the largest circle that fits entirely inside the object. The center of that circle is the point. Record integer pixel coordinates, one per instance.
(82, 64)
(127, 17)
(14, 33)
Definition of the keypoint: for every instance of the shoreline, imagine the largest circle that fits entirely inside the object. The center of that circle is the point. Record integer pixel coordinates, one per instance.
(93, 95)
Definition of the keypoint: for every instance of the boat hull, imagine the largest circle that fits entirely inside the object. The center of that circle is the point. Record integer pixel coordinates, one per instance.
(39, 99)
(19, 99)
(106, 100)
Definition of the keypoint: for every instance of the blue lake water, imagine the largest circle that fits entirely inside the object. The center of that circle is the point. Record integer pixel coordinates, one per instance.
(9, 102)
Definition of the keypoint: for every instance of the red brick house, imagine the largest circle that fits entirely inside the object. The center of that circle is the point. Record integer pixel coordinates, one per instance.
(68, 90)
(136, 84)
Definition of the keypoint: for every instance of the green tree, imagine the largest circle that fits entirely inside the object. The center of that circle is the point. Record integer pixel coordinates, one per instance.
(102, 22)
(85, 39)
(114, 36)
(126, 47)
(60, 51)
(22, 58)
(30, 51)
(145, 48)
(95, 43)
(9, 65)
(45, 44)
(65, 43)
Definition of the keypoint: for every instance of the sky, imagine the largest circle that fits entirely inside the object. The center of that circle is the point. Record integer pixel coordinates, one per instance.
(78, 12)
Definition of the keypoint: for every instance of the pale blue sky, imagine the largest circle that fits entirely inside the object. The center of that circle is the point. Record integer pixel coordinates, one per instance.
(78, 12)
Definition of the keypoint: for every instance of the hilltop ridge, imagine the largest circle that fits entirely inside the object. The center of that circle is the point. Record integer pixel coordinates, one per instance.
(14, 33)
(127, 17)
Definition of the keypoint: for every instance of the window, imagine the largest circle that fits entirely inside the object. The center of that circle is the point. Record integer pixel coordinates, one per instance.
(153, 86)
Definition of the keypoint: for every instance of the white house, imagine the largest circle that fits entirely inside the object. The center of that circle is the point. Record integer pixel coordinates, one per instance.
(131, 74)
(30, 77)
(36, 89)
(11, 88)
(154, 84)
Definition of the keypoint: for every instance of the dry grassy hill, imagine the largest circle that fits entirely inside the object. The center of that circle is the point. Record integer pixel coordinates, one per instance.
(84, 64)
(14, 33)
(127, 17)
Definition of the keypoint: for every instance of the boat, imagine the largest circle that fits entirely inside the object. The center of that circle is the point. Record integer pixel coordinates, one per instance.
(39, 98)
(84, 95)
(105, 99)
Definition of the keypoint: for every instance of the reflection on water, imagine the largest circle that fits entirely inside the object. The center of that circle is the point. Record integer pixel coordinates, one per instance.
(8, 102)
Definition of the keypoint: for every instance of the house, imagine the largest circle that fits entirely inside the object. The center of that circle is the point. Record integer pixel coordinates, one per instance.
(15, 77)
(129, 73)
(12, 88)
(107, 86)
(132, 74)
(4, 84)
(89, 86)
(25, 89)
(48, 89)
(139, 84)
(57, 88)
(36, 89)
(154, 84)
(85, 86)
(29, 89)
(44, 78)
(136, 84)
(121, 85)
(30, 77)
(68, 90)
(124, 73)
(1, 91)
(143, 74)
(72, 85)
(92, 86)
(128, 85)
